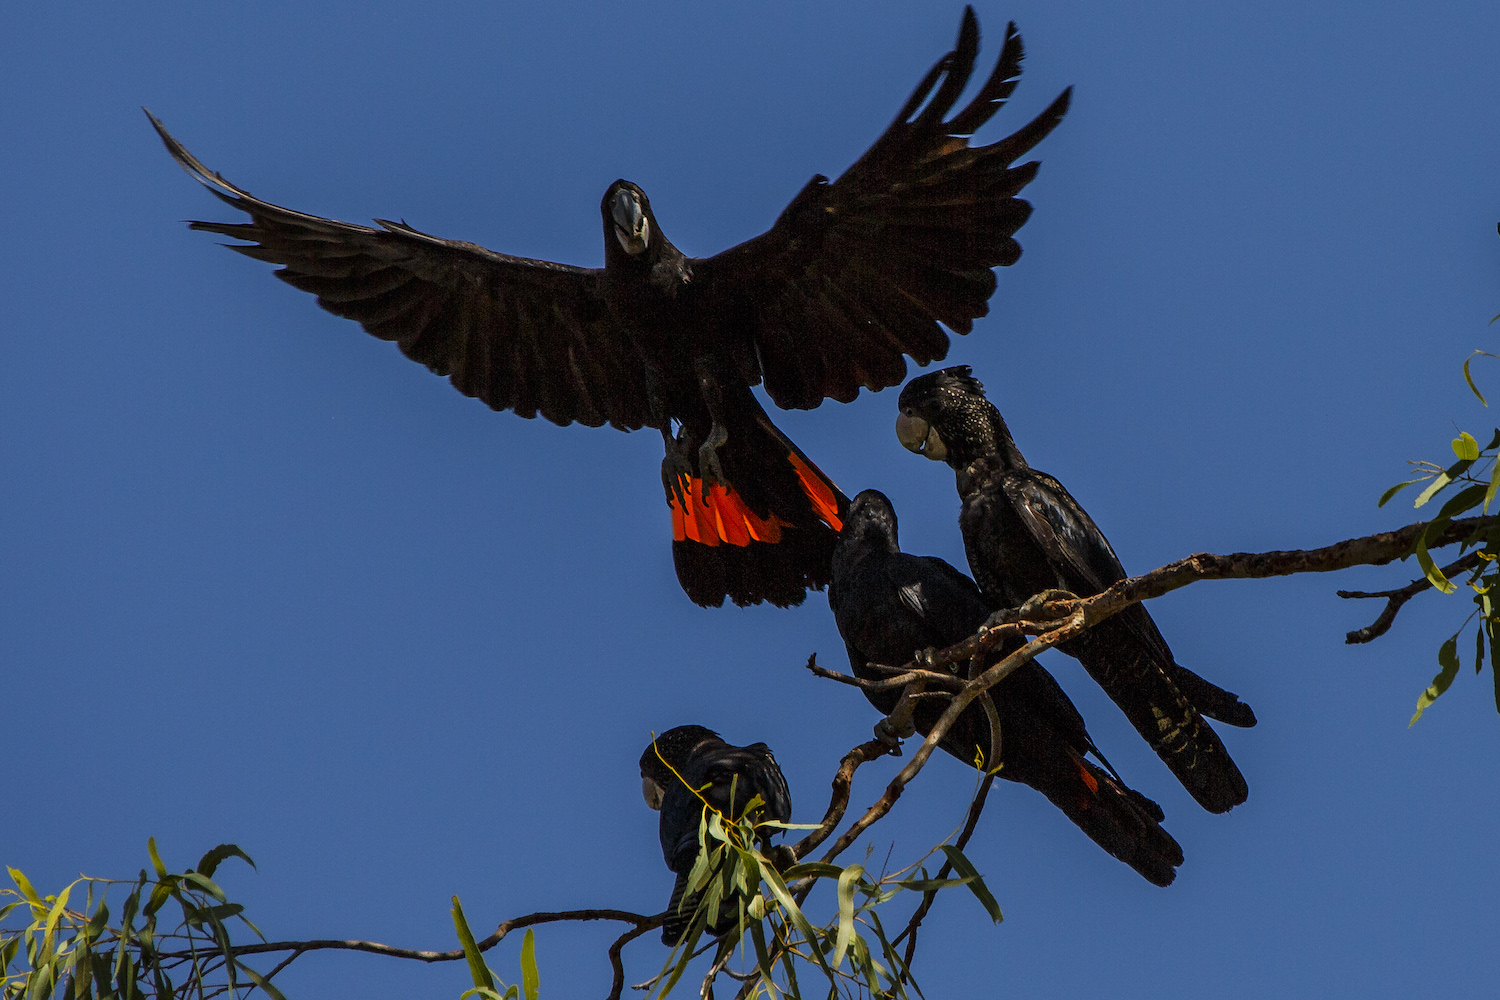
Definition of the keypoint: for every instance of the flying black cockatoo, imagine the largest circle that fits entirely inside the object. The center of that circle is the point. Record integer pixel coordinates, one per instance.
(1024, 533)
(854, 274)
(726, 778)
(889, 605)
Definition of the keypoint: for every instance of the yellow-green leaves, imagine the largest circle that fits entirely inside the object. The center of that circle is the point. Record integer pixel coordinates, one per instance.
(1448, 662)
(530, 979)
(486, 986)
(975, 882)
(1465, 447)
(73, 945)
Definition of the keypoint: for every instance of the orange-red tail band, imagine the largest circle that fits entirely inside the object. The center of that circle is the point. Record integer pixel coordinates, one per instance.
(720, 518)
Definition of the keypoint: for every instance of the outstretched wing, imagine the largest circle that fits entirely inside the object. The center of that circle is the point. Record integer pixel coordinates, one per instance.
(858, 272)
(524, 335)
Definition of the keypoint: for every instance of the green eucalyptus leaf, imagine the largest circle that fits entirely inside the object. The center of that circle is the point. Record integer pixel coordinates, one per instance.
(1494, 661)
(1464, 500)
(260, 981)
(1384, 497)
(205, 884)
(962, 865)
(812, 869)
(1479, 648)
(1439, 481)
(478, 971)
(1464, 446)
(1430, 570)
(1470, 378)
(530, 979)
(209, 863)
(1448, 661)
(161, 869)
(53, 916)
(796, 916)
(25, 886)
(1489, 494)
(845, 896)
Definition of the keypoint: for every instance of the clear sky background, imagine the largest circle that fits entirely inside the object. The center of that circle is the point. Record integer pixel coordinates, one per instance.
(263, 580)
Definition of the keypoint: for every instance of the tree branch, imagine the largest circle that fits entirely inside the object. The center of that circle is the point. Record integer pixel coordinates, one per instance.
(1050, 619)
(642, 923)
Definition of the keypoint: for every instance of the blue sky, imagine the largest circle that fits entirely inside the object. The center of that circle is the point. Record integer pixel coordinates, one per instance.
(263, 580)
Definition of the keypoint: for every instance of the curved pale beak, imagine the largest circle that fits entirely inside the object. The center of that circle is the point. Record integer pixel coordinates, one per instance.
(632, 228)
(653, 793)
(916, 435)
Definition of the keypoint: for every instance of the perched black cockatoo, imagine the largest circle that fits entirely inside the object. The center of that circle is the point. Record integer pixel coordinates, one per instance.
(708, 773)
(854, 275)
(889, 605)
(1023, 534)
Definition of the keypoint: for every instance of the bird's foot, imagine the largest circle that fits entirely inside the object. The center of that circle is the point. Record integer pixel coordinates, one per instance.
(926, 659)
(891, 733)
(1032, 609)
(708, 458)
(676, 473)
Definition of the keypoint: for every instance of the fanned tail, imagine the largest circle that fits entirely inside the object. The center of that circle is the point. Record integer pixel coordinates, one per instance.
(768, 535)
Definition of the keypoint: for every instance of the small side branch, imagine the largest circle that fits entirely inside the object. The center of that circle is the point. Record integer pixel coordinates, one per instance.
(1396, 599)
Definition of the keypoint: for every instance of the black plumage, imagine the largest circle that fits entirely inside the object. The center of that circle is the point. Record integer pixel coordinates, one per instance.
(687, 770)
(853, 276)
(889, 604)
(1024, 533)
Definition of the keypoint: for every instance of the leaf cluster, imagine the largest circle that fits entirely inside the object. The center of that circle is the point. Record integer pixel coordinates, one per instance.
(851, 952)
(50, 950)
(1469, 483)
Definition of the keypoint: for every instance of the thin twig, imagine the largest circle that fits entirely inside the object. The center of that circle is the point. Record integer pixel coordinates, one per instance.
(975, 808)
(641, 921)
(617, 985)
(1397, 598)
(838, 802)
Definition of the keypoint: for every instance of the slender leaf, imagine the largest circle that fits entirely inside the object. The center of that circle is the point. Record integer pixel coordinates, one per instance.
(1470, 379)
(161, 869)
(25, 887)
(53, 916)
(795, 915)
(205, 884)
(1430, 570)
(1494, 661)
(1479, 648)
(981, 892)
(812, 869)
(845, 896)
(530, 980)
(478, 971)
(762, 956)
(1442, 479)
(210, 862)
(1489, 494)
(259, 980)
(1384, 497)
(932, 884)
(1448, 660)
(1462, 501)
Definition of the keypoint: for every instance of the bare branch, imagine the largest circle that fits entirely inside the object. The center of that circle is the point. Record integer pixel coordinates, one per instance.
(842, 780)
(642, 923)
(617, 985)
